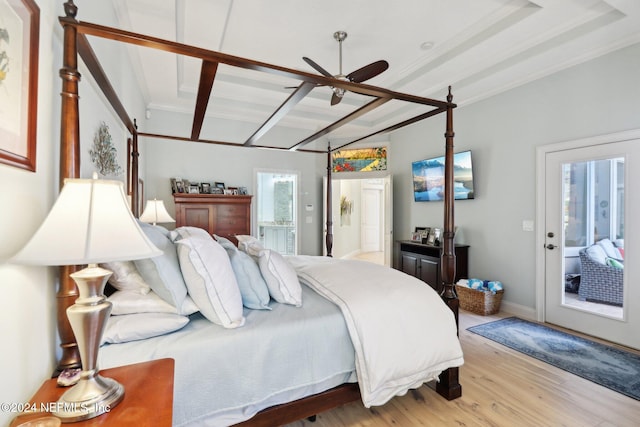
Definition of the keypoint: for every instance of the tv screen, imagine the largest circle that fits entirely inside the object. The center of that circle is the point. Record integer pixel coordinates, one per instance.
(428, 178)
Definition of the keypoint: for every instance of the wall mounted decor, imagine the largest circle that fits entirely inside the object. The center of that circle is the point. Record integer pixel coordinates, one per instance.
(19, 39)
(360, 160)
(104, 154)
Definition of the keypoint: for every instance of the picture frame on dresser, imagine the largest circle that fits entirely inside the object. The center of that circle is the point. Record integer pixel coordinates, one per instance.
(437, 235)
(424, 233)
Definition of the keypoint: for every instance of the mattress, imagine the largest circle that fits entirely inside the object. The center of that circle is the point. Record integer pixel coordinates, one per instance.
(225, 376)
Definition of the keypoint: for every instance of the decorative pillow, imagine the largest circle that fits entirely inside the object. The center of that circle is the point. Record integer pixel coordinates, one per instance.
(281, 278)
(612, 262)
(127, 302)
(596, 253)
(125, 277)
(209, 277)
(162, 273)
(187, 231)
(249, 244)
(131, 327)
(253, 288)
(610, 250)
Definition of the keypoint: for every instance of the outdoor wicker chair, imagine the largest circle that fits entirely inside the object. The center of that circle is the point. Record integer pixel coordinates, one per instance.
(600, 282)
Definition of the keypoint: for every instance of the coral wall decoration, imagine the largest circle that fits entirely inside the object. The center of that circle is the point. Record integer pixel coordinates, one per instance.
(104, 154)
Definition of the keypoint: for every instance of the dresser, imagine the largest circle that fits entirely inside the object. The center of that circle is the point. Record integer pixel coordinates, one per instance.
(221, 214)
(423, 262)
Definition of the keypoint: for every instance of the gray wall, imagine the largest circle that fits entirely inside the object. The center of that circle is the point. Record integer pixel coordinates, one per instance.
(598, 97)
(234, 166)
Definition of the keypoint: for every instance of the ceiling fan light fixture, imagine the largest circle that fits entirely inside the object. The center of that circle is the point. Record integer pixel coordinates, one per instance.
(358, 76)
(340, 35)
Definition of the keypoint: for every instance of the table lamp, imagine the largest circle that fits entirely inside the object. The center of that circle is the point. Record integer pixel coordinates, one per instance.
(155, 212)
(90, 223)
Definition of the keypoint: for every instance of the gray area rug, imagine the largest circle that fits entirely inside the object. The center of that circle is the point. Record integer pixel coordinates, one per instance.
(608, 366)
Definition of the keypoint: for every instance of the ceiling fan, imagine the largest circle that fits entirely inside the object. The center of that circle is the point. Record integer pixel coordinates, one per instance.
(358, 76)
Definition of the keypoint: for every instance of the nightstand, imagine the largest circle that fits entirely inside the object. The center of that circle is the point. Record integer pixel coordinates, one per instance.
(148, 396)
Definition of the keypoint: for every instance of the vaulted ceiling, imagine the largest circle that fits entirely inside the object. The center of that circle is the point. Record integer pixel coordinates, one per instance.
(480, 47)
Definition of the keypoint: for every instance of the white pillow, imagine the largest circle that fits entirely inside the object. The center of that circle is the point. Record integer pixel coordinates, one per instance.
(211, 282)
(131, 327)
(281, 278)
(162, 273)
(609, 249)
(188, 231)
(249, 244)
(127, 302)
(125, 277)
(253, 288)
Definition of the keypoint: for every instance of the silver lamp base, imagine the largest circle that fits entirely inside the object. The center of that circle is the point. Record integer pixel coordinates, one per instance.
(89, 398)
(92, 395)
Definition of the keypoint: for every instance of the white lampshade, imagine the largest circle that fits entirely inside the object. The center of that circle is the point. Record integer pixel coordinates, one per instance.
(90, 223)
(155, 212)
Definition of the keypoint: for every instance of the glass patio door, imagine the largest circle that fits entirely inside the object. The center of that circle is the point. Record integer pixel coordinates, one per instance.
(589, 196)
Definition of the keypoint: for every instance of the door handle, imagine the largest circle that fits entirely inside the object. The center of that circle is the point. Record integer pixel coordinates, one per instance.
(550, 246)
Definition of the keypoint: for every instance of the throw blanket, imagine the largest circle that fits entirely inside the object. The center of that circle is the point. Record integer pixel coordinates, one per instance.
(403, 333)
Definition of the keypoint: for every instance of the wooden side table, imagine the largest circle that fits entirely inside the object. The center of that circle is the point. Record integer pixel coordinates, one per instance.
(148, 396)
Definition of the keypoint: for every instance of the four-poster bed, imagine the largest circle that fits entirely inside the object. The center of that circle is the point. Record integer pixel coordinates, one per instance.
(76, 43)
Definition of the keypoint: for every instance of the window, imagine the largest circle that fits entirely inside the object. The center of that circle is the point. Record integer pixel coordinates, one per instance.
(277, 210)
(593, 201)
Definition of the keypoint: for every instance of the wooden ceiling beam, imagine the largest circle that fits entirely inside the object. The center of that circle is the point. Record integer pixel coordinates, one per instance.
(207, 76)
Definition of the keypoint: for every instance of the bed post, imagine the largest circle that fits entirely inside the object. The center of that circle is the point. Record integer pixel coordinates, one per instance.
(135, 196)
(329, 237)
(449, 385)
(69, 168)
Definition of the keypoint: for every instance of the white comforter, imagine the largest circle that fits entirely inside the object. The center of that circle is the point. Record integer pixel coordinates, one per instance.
(403, 333)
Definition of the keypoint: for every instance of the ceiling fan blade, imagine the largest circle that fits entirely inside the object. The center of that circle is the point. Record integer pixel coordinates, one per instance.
(335, 99)
(368, 71)
(317, 67)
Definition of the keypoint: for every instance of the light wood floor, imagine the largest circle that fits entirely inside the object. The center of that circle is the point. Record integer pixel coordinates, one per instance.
(500, 387)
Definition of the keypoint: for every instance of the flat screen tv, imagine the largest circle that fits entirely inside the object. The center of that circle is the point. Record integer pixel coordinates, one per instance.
(428, 178)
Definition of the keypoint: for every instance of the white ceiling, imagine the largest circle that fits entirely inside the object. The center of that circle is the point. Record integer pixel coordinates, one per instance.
(480, 47)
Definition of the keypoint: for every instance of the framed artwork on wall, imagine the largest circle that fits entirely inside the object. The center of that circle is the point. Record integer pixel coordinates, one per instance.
(19, 40)
(359, 159)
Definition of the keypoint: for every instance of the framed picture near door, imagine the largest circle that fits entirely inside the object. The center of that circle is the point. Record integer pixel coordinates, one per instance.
(19, 39)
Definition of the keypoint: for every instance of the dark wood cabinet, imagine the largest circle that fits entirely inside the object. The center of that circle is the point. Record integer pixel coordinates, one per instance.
(221, 214)
(423, 261)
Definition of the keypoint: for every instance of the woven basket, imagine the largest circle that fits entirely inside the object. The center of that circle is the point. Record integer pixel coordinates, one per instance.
(479, 302)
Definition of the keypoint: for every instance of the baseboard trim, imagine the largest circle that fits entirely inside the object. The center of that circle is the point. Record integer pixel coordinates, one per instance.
(524, 312)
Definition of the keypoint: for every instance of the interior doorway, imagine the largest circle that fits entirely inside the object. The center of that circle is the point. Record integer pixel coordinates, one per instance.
(362, 218)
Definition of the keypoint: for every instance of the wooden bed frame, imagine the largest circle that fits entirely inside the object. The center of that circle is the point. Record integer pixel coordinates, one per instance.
(76, 43)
